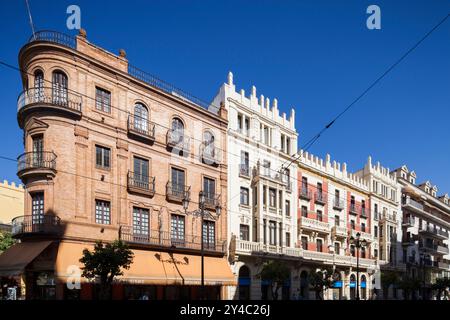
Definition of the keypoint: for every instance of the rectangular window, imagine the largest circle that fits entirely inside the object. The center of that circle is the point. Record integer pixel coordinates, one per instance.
(352, 224)
(363, 227)
(363, 252)
(304, 185)
(264, 231)
(336, 197)
(337, 248)
(282, 143)
(288, 239)
(244, 232)
(287, 208)
(319, 215)
(264, 195)
(244, 168)
(305, 243)
(209, 189)
(244, 196)
(177, 228)
(272, 233)
(375, 231)
(352, 250)
(178, 182)
(288, 145)
(304, 211)
(280, 200)
(141, 173)
(37, 207)
(239, 122)
(255, 196)
(140, 222)
(38, 150)
(247, 126)
(337, 221)
(102, 212)
(102, 100)
(375, 253)
(319, 245)
(209, 234)
(102, 157)
(272, 197)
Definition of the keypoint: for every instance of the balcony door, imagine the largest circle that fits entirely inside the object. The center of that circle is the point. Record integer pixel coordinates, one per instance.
(209, 189)
(209, 235)
(177, 229)
(178, 182)
(37, 209)
(59, 88)
(140, 224)
(140, 118)
(177, 130)
(208, 140)
(141, 172)
(38, 151)
(38, 86)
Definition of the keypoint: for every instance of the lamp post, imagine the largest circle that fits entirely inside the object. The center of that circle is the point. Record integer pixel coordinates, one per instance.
(201, 212)
(358, 243)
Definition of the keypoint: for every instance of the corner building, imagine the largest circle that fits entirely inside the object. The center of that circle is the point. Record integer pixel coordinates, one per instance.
(113, 153)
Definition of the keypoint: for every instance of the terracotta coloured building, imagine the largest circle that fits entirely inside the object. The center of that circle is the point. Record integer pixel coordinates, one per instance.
(114, 153)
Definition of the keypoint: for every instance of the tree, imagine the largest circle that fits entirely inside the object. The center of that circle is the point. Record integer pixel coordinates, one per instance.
(441, 285)
(105, 263)
(320, 281)
(388, 278)
(408, 285)
(6, 241)
(277, 273)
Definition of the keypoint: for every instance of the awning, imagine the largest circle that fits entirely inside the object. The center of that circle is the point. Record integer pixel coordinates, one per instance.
(153, 267)
(14, 260)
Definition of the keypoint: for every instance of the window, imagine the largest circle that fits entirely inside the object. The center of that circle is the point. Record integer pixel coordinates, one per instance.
(140, 118)
(375, 253)
(177, 131)
(38, 151)
(288, 239)
(247, 126)
(287, 208)
(375, 231)
(337, 221)
(102, 212)
(239, 122)
(178, 182)
(280, 200)
(39, 86)
(363, 227)
(208, 141)
(363, 207)
(319, 190)
(102, 157)
(337, 248)
(352, 224)
(375, 208)
(59, 88)
(352, 203)
(319, 245)
(266, 165)
(363, 252)
(209, 189)
(305, 243)
(255, 196)
(288, 145)
(102, 100)
(177, 228)
(209, 234)
(140, 221)
(264, 195)
(244, 232)
(272, 233)
(244, 168)
(304, 185)
(272, 197)
(319, 215)
(336, 197)
(304, 211)
(352, 250)
(140, 174)
(264, 231)
(37, 207)
(244, 196)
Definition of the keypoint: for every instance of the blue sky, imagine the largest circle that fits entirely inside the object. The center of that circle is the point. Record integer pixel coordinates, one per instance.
(316, 56)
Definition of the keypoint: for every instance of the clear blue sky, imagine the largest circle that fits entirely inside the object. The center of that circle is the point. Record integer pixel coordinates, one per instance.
(314, 55)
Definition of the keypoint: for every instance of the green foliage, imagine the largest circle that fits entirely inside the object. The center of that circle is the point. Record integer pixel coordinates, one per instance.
(6, 241)
(320, 281)
(389, 278)
(277, 273)
(105, 263)
(441, 285)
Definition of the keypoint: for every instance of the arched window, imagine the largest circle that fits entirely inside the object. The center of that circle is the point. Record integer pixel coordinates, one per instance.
(352, 287)
(363, 287)
(244, 283)
(59, 87)
(177, 130)
(208, 140)
(38, 85)
(140, 117)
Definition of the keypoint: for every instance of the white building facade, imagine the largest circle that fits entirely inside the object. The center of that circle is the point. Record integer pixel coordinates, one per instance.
(261, 194)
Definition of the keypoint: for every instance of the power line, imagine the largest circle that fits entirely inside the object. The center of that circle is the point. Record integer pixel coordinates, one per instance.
(384, 74)
(30, 18)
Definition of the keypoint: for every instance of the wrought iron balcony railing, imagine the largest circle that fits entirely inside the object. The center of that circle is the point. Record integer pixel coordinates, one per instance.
(177, 192)
(141, 127)
(338, 204)
(320, 198)
(49, 96)
(36, 162)
(178, 141)
(212, 200)
(210, 154)
(304, 193)
(35, 224)
(141, 183)
(244, 170)
(171, 241)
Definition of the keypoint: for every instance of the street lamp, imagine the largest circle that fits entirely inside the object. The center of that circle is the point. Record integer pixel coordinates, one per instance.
(358, 243)
(201, 212)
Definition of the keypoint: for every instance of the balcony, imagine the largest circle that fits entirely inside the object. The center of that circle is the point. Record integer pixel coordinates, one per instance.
(434, 232)
(244, 171)
(442, 249)
(320, 198)
(141, 184)
(339, 231)
(304, 194)
(338, 204)
(389, 217)
(48, 99)
(210, 154)
(31, 225)
(177, 192)
(408, 222)
(164, 240)
(141, 128)
(212, 200)
(353, 209)
(364, 235)
(412, 203)
(443, 265)
(178, 141)
(36, 164)
(364, 212)
(376, 216)
(313, 224)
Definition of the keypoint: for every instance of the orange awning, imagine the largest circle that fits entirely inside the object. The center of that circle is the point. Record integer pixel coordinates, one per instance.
(154, 267)
(14, 260)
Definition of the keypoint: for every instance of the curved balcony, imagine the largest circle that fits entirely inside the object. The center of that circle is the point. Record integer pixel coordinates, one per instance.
(48, 99)
(30, 225)
(36, 164)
